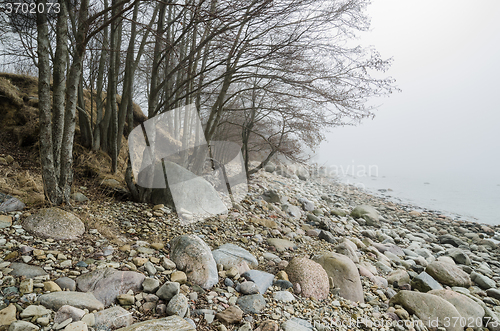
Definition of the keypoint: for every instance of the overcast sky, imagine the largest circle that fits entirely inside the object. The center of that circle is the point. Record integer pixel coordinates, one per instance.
(447, 118)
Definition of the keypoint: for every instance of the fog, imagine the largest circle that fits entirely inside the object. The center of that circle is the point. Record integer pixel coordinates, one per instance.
(446, 120)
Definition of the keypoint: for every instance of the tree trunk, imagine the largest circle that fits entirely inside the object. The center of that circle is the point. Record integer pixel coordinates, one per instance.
(112, 90)
(99, 87)
(66, 178)
(154, 90)
(128, 80)
(168, 87)
(59, 85)
(217, 108)
(106, 122)
(84, 119)
(50, 185)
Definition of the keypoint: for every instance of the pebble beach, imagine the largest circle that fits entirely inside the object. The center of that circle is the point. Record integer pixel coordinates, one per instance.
(300, 252)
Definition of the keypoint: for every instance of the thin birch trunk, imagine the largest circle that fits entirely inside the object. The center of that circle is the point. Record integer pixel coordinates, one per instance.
(66, 177)
(59, 85)
(128, 80)
(84, 118)
(112, 90)
(154, 91)
(99, 87)
(50, 185)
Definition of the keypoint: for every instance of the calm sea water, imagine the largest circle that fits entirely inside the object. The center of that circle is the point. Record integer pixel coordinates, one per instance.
(467, 198)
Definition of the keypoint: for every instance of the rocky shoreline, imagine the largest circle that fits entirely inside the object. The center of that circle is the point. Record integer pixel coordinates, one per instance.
(300, 252)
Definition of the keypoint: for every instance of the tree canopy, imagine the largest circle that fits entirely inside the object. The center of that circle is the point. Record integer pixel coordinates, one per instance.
(269, 75)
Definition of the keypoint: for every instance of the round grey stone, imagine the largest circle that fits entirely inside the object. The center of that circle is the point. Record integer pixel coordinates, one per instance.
(178, 305)
(251, 304)
(168, 290)
(66, 283)
(150, 285)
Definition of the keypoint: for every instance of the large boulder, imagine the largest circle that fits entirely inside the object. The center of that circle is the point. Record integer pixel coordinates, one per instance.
(108, 283)
(54, 223)
(368, 213)
(448, 274)
(171, 323)
(344, 273)
(230, 255)
(311, 277)
(193, 256)
(434, 311)
(468, 308)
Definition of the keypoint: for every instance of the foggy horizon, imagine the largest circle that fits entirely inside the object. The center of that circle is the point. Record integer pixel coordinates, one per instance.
(446, 117)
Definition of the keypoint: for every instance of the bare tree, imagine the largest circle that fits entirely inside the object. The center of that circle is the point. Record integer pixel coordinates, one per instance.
(57, 132)
(271, 75)
(296, 78)
(57, 120)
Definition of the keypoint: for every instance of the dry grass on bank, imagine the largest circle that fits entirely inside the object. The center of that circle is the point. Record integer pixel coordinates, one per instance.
(19, 132)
